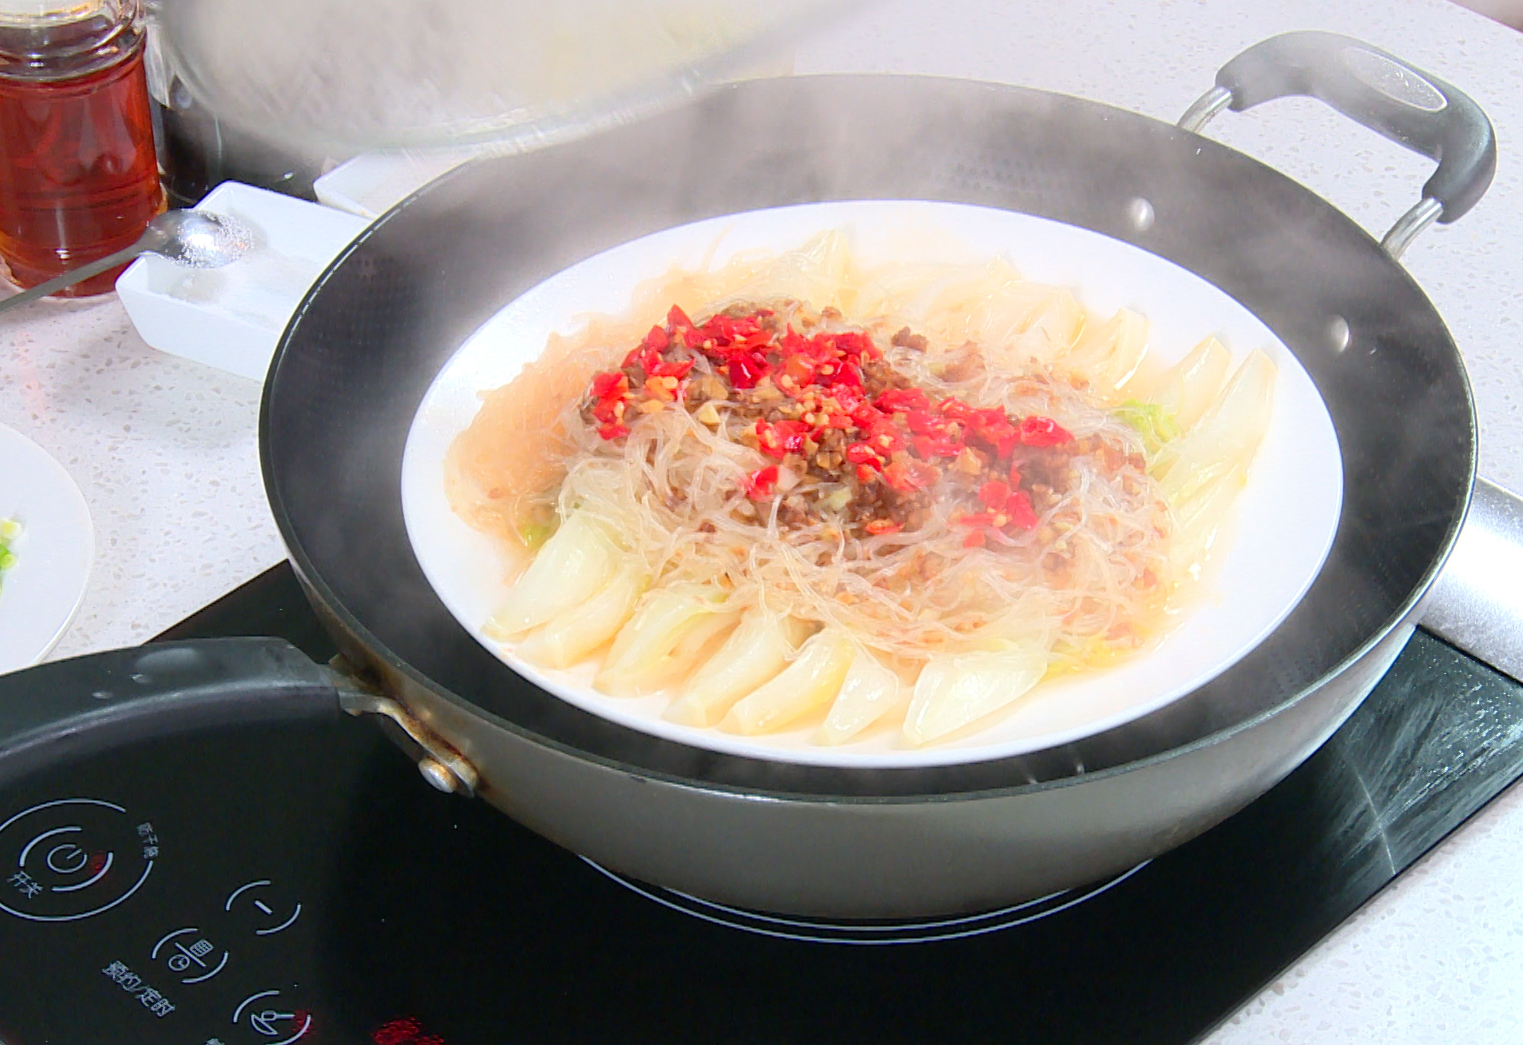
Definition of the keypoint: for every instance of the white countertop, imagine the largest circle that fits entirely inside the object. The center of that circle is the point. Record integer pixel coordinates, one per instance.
(165, 450)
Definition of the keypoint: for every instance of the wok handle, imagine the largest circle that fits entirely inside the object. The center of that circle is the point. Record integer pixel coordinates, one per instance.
(69, 709)
(1383, 93)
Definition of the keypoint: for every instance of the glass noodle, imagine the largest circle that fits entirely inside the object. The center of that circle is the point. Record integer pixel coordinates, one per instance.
(765, 590)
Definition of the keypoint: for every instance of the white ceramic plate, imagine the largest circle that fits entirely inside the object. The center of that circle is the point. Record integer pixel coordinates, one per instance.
(1284, 519)
(41, 593)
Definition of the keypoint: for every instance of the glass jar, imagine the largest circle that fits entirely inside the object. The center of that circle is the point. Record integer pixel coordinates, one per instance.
(79, 178)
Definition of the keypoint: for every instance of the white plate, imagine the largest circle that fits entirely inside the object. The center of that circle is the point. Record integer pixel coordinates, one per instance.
(41, 593)
(1284, 519)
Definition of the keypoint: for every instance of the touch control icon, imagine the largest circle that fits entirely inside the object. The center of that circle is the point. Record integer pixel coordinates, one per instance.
(70, 859)
(187, 951)
(270, 1020)
(272, 912)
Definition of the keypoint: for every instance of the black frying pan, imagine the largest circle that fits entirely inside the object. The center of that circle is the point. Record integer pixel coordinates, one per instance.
(369, 338)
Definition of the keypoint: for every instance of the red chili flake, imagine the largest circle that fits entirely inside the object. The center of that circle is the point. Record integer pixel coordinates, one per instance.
(677, 368)
(908, 476)
(609, 389)
(657, 338)
(861, 453)
(780, 439)
(902, 399)
(974, 539)
(1043, 431)
(858, 345)
(760, 482)
(923, 422)
(882, 526)
(865, 473)
(800, 370)
(993, 427)
(763, 341)
(929, 446)
(746, 370)
(846, 401)
(612, 430)
(957, 410)
(1019, 509)
(935, 434)
(609, 383)
(884, 437)
(994, 494)
(1015, 476)
(822, 348)
(847, 375)
(868, 417)
(730, 329)
(680, 325)
(855, 343)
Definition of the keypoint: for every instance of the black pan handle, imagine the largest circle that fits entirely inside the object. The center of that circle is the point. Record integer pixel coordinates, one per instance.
(1383, 93)
(69, 709)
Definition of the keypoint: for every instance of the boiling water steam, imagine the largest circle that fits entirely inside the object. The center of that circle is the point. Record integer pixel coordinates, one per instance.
(383, 73)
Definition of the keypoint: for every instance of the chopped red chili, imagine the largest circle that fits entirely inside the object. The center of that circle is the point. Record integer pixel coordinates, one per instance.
(908, 475)
(782, 438)
(609, 383)
(1043, 431)
(861, 453)
(1022, 515)
(676, 368)
(840, 419)
(759, 483)
(994, 494)
(902, 399)
(747, 369)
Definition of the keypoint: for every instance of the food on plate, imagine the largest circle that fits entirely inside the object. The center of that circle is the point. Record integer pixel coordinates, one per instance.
(801, 491)
(10, 529)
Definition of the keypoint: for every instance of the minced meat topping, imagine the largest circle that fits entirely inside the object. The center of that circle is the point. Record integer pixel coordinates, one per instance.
(826, 405)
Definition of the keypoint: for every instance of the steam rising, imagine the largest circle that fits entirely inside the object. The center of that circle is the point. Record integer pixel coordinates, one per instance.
(408, 72)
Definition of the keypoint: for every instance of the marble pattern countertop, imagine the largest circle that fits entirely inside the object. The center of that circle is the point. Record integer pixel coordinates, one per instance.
(165, 450)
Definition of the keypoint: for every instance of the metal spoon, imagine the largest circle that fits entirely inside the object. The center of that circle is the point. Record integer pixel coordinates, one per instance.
(190, 237)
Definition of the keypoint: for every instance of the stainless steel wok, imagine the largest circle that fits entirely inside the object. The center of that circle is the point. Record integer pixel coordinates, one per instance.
(371, 335)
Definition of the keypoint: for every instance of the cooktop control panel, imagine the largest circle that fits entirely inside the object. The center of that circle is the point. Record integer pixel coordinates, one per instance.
(145, 913)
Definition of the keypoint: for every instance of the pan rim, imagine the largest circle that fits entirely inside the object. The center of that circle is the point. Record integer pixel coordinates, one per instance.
(317, 583)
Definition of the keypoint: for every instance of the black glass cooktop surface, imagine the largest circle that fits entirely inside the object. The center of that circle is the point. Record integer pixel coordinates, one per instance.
(279, 884)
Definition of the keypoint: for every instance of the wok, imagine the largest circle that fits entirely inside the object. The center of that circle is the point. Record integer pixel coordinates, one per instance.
(820, 840)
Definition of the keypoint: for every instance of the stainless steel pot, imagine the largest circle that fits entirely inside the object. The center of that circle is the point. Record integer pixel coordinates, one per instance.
(369, 338)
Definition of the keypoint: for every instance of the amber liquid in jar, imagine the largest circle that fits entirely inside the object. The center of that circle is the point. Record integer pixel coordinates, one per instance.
(78, 174)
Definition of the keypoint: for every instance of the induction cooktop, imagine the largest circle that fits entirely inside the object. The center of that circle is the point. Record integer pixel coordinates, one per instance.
(266, 885)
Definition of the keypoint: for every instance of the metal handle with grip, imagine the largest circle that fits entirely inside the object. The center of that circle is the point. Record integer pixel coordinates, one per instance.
(1380, 91)
(69, 709)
